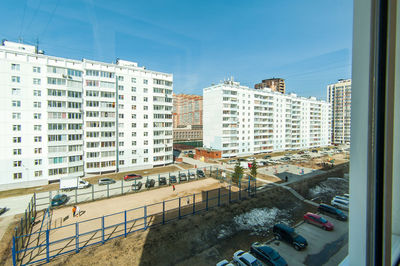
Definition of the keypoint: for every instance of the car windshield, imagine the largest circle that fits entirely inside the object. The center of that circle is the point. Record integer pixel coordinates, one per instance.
(294, 235)
(270, 252)
(323, 220)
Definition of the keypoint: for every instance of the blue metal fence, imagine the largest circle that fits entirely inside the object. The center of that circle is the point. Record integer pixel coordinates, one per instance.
(73, 237)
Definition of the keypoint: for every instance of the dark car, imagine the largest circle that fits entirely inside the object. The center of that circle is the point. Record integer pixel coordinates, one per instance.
(267, 157)
(287, 234)
(267, 254)
(163, 181)
(137, 186)
(172, 179)
(106, 181)
(332, 211)
(182, 177)
(191, 176)
(131, 177)
(150, 183)
(315, 151)
(59, 199)
(3, 210)
(200, 173)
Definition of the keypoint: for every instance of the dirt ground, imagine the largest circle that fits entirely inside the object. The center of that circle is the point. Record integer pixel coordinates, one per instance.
(203, 239)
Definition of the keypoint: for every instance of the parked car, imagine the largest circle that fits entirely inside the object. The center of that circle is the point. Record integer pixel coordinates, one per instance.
(58, 200)
(3, 210)
(224, 263)
(172, 179)
(285, 159)
(315, 151)
(182, 177)
(288, 154)
(347, 196)
(232, 161)
(163, 181)
(137, 186)
(332, 211)
(106, 181)
(267, 156)
(251, 158)
(342, 198)
(200, 173)
(241, 160)
(300, 152)
(306, 156)
(130, 177)
(339, 203)
(287, 234)
(191, 176)
(267, 254)
(315, 219)
(244, 259)
(150, 183)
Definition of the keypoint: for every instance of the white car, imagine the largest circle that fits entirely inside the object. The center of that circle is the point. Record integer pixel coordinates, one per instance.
(339, 203)
(224, 263)
(344, 198)
(244, 258)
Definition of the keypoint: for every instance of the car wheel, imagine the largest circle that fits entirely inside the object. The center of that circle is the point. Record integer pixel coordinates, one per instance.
(296, 247)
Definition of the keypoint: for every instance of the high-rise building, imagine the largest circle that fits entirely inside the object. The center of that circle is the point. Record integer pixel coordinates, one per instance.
(188, 117)
(339, 95)
(275, 84)
(68, 118)
(241, 121)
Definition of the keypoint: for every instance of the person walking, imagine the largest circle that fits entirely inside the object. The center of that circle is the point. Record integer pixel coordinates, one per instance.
(73, 211)
(188, 201)
(78, 211)
(173, 187)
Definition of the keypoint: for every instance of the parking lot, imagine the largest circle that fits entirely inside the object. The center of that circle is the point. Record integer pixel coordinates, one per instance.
(322, 245)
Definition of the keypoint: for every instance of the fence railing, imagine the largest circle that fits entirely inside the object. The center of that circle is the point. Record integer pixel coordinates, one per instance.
(121, 187)
(24, 227)
(41, 247)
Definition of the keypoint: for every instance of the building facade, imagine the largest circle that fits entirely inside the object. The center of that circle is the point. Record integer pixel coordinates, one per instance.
(188, 117)
(68, 118)
(242, 121)
(275, 84)
(339, 95)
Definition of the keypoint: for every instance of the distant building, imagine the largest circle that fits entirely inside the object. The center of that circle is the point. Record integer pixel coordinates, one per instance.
(242, 121)
(339, 95)
(275, 84)
(202, 153)
(188, 117)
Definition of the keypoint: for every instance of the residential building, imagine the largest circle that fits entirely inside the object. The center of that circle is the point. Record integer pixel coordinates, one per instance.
(242, 121)
(188, 117)
(69, 118)
(339, 95)
(275, 84)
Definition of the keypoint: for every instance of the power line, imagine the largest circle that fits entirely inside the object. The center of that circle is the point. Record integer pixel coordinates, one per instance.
(50, 19)
(34, 15)
(23, 19)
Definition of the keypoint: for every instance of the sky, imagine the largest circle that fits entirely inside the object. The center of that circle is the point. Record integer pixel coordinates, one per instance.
(308, 43)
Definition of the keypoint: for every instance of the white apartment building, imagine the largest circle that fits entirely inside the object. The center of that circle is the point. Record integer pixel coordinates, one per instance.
(67, 118)
(339, 95)
(242, 121)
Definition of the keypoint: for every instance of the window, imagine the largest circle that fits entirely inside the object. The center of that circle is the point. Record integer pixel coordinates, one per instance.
(145, 90)
(37, 104)
(16, 115)
(120, 87)
(134, 160)
(145, 142)
(37, 139)
(15, 67)
(145, 99)
(38, 173)
(38, 162)
(37, 116)
(17, 139)
(145, 134)
(16, 103)
(17, 175)
(16, 127)
(133, 80)
(17, 163)
(36, 81)
(37, 150)
(145, 151)
(145, 116)
(37, 127)
(36, 69)
(15, 91)
(133, 89)
(17, 151)
(37, 93)
(145, 81)
(145, 160)
(120, 78)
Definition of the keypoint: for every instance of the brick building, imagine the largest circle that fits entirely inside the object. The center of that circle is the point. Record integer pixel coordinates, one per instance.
(188, 117)
(276, 84)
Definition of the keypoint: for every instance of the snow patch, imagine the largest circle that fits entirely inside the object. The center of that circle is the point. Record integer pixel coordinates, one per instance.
(320, 189)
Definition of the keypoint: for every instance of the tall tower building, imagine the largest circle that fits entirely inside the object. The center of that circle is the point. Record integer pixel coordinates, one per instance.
(275, 84)
(67, 118)
(188, 117)
(339, 95)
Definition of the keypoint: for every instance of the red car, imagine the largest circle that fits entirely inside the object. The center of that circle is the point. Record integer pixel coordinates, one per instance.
(313, 218)
(130, 177)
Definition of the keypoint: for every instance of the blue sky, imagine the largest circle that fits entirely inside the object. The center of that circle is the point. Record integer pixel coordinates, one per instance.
(201, 42)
